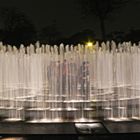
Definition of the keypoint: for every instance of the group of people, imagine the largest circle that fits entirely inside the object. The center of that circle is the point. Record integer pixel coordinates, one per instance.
(69, 79)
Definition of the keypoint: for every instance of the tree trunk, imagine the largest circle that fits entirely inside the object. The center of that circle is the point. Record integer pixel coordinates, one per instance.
(102, 27)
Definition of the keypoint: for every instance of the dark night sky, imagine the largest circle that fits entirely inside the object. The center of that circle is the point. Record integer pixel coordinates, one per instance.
(67, 15)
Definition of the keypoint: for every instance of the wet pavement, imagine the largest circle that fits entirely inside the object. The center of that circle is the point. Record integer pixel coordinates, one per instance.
(69, 127)
(43, 131)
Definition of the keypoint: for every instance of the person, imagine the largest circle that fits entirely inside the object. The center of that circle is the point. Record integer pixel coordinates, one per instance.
(84, 79)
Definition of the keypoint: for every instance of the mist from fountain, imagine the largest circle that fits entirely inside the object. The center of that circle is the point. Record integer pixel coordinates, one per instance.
(43, 83)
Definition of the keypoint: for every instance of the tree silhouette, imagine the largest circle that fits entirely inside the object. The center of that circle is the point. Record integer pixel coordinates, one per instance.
(82, 36)
(102, 9)
(49, 34)
(133, 35)
(117, 36)
(17, 28)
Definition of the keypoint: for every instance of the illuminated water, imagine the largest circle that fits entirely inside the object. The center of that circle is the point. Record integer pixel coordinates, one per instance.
(45, 83)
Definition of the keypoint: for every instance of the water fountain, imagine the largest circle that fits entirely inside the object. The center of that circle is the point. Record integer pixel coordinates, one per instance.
(43, 83)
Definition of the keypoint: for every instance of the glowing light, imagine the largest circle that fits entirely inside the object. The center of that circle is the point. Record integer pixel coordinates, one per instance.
(89, 45)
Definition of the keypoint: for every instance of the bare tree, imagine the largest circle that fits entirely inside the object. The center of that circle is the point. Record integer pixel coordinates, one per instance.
(102, 9)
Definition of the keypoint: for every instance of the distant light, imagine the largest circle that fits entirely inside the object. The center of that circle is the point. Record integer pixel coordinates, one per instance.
(89, 45)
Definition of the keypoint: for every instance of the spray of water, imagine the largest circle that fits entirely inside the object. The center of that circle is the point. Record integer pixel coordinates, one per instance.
(43, 83)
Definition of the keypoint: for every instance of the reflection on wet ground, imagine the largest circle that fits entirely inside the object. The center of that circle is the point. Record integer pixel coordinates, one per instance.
(24, 131)
(75, 137)
(12, 138)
